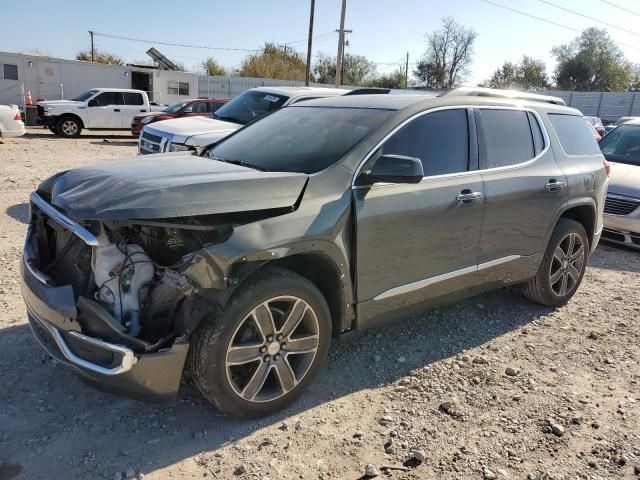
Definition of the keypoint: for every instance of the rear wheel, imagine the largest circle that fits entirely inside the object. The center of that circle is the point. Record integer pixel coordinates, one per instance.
(563, 265)
(265, 348)
(68, 127)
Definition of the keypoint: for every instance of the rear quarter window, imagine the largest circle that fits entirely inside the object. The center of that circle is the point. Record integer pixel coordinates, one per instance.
(575, 136)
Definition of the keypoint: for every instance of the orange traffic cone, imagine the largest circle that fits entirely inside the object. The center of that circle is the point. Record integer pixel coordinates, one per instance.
(28, 100)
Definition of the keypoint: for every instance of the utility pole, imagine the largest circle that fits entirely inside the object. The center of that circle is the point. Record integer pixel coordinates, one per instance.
(93, 52)
(340, 45)
(406, 72)
(307, 77)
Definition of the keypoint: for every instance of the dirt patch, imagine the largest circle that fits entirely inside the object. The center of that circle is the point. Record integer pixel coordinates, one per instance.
(493, 387)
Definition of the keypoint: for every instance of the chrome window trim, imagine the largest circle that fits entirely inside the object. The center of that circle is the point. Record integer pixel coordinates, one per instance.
(543, 130)
(85, 235)
(411, 287)
(623, 197)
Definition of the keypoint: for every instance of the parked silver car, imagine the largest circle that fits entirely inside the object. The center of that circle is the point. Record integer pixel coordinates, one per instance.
(621, 147)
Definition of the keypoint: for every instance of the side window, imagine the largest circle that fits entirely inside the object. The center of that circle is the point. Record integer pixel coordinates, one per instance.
(507, 137)
(574, 134)
(109, 98)
(215, 106)
(439, 139)
(538, 139)
(131, 98)
(10, 72)
(200, 107)
(177, 88)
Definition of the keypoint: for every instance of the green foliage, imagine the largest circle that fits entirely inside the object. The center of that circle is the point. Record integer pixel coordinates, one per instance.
(449, 54)
(592, 62)
(356, 69)
(100, 57)
(396, 79)
(272, 62)
(211, 67)
(529, 74)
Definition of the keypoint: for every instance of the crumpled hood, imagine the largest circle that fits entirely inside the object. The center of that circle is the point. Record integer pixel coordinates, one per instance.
(180, 129)
(625, 179)
(63, 103)
(161, 186)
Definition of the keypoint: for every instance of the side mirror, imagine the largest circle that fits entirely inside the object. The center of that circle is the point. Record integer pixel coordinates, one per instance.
(93, 102)
(394, 169)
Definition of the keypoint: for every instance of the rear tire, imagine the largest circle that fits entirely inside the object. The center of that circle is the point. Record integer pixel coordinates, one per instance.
(265, 348)
(563, 265)
(68, 127)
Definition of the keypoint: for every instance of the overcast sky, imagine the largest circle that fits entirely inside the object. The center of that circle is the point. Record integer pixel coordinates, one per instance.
(384, 31)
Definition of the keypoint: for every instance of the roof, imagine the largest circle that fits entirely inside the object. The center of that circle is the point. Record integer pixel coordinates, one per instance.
(298, 91)
(399, 102)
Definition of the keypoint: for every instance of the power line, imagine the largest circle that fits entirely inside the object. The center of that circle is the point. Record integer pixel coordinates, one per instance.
(177, 44)
(593, 19)
(608, 2)
(541, 19)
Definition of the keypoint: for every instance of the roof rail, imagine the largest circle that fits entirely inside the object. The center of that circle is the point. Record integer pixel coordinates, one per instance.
(507, 94)
(367, 91)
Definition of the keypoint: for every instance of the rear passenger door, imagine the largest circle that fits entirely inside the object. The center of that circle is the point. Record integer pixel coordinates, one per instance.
(419, 242)
(133, 105)
(523, 187)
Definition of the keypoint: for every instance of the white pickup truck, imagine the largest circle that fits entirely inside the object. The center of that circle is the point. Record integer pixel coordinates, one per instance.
(95, 109)
(196, 133)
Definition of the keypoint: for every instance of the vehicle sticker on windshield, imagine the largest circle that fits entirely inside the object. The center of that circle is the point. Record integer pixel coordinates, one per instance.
(271, 98)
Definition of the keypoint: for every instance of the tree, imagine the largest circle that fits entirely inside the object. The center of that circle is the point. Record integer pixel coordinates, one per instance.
(592, 62)
(273, 62)
(529, 74)
(211, 67)
(356, 69)
(100, 57)
(395, 79)
(448, 56)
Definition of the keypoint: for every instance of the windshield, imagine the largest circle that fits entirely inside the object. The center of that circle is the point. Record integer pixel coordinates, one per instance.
(85, 96)
(175, 107)
(249, 106)
(299, 139)
(622, 145)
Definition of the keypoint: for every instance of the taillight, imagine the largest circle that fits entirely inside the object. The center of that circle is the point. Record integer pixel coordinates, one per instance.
(607, 167)
(18, 117)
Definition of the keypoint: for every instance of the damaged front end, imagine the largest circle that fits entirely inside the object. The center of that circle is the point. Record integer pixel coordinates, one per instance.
(103, 298)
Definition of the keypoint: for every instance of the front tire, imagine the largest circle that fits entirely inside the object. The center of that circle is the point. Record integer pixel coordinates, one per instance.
(68, 127)
(562, 267)
(267, 346)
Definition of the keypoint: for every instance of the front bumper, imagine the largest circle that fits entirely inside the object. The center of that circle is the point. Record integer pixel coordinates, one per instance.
(55, 321)
(623, 229)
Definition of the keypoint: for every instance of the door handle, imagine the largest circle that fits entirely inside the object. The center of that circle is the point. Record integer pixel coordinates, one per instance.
(143, 110)
(554, 185)
(116, 109)
(466, 196)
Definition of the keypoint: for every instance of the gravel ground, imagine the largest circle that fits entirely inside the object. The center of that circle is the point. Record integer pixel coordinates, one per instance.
(490, 388)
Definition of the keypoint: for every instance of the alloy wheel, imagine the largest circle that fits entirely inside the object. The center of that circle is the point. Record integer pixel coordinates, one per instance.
(69, 127)
(567, 264)
(272, 349)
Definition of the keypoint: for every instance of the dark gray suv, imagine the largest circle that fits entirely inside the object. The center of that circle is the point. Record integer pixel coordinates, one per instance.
(323, 218)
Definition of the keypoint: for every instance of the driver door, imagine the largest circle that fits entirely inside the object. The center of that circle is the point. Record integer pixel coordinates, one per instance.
(105, 110)
(418, 243)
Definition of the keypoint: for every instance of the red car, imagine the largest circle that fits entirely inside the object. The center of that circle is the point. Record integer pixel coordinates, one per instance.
(197, 107)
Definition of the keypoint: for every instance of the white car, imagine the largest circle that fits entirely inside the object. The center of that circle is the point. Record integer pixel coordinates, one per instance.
(196, 133)
(98, 108)
(11, 124)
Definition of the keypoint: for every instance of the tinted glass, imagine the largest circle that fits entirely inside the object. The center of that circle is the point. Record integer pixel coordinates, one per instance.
(215, 106)
(10, 72)
(507, 137)
(174, 108)
(576, 137)
(133, 98)
(538, 139)
(109, 98)
(622, 145)
(249, 106)
(439, 139)
(299, 139)
(200, 107)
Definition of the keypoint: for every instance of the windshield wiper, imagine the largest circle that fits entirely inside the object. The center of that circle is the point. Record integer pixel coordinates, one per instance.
(240, 163)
